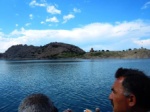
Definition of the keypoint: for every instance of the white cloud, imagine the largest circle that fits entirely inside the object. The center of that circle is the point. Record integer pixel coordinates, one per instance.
(53, 19)
(2, 35)
(34, 3)
(146, 5)
(27, 24)
(31, 16)
(42, 22)
(76, 10)
(49, 8)
(53, 10)
(142, 43)
(123, 35)
(6, 43)
(68, 17)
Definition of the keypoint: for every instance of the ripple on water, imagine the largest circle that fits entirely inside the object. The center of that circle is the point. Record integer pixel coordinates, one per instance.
(76, 85)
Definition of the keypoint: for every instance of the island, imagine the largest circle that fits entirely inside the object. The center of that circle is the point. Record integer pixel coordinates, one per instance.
(56, 50)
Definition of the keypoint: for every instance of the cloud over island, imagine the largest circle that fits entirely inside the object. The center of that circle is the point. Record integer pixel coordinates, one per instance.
(98, 35)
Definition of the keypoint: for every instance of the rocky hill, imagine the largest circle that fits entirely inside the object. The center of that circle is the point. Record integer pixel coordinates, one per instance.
(49, 51)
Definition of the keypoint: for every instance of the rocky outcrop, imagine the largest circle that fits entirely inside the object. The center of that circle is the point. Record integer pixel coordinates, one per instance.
(49, 51)
(20, 51)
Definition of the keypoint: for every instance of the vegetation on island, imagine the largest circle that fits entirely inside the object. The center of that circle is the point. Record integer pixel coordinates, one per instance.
(57, 50)
(129, 53)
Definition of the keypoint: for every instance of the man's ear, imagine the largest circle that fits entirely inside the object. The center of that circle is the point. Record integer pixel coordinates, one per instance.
(132, 100)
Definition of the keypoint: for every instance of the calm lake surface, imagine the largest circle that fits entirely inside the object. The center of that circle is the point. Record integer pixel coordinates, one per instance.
(77, 84)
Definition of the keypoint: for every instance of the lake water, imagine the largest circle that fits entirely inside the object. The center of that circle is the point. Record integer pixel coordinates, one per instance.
(77, 84)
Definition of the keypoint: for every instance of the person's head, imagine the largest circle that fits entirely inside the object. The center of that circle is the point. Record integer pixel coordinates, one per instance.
(130, 91)
(37, 103)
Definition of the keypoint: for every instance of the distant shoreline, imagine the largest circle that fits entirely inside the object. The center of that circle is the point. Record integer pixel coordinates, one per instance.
(58, 50)
(141, 53)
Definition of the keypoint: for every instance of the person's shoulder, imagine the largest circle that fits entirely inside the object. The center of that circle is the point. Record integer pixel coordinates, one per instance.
(87, 110)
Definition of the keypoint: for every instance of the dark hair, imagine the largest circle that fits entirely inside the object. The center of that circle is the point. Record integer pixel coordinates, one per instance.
(137, 83)
(37, 103)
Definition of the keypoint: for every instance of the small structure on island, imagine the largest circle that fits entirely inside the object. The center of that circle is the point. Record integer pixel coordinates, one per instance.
(92, 50)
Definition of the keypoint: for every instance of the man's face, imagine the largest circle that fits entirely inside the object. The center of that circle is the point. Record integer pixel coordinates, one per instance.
(119, 101)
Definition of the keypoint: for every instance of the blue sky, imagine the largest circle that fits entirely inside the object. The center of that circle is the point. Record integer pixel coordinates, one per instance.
(98, 24)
